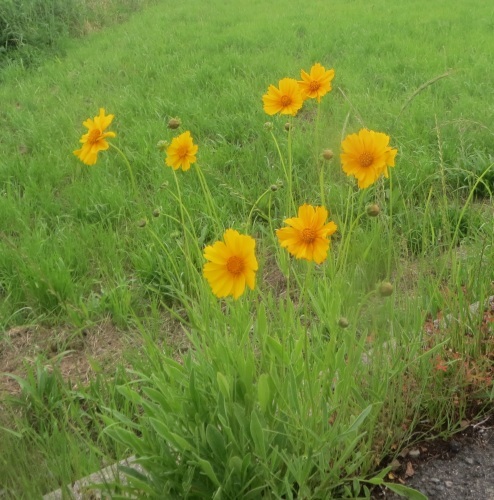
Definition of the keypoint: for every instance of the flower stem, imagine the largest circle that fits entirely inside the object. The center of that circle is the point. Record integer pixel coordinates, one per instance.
(131, 173)
(209, 198)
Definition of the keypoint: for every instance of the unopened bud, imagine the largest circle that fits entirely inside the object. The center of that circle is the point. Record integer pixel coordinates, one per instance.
(268, 126)
(274, 187)
(156, 212)
(373, 210)
(162, 145)
(327, 154)
(385, 289)
(343, 322)
(142, 223)
(174, 123)
(288, 126)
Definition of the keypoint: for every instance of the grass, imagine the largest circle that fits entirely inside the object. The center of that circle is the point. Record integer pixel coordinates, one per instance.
(288, 386)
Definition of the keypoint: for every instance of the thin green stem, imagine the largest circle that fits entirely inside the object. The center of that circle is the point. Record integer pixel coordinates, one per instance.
(129, 168)
(390, 226)
(255, 205)
(209, 199)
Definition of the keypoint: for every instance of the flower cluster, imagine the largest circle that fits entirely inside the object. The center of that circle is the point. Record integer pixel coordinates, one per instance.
(231, 264)
(289, 96)
(365, 156)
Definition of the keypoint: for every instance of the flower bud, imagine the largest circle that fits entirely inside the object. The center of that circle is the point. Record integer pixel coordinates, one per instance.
(373, 210)
(142, 223)
(327, 154)
(174, 123)
(162, 145)
(268, 126)
(385, 289)
(288, 126)
(274, 187)
(156, 212)
(343, 322)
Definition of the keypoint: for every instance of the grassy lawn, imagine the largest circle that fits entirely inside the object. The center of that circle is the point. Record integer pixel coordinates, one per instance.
(309, 384)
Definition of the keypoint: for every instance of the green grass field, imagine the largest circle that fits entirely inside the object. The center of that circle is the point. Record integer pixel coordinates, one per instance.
(267, 395)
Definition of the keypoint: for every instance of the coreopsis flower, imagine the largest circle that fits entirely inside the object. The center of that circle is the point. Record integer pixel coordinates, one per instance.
(367, 155)
(95, 140)
(285, 99)
(232, 264)
(181, 152)
(308, 235)
(317, 83)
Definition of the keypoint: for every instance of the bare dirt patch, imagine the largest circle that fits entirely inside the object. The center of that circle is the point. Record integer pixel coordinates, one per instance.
(75, 352)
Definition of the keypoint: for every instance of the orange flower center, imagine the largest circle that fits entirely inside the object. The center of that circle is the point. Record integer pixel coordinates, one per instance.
(314, 86)
(308, 235)
(235, 265)
(94, 136)
(183, 151)
(365, 159)
(285, 100)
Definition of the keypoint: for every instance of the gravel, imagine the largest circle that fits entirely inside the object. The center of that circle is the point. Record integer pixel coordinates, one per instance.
(461, 469)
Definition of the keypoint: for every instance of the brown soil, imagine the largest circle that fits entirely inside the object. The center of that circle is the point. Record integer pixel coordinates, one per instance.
(76, 353)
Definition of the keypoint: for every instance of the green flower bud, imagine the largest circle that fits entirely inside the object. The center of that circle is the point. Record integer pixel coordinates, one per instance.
(174, 123)
(327, 154)
(373, 210)
(386, 289)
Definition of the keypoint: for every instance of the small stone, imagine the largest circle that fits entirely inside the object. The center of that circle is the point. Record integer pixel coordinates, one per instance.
(469, 460)
(414, 453)
(448, 484)
(454, 446)
(435, 480)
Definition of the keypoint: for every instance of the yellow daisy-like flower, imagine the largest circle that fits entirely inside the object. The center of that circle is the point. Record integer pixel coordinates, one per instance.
(95, 140)
(307, 238)
(181, 153)
(232, 264)
(286, 100)
(317, 83)
(367, 155)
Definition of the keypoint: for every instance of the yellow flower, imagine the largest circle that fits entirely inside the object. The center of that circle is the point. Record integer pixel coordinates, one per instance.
(307, 238)
(181, 152)
(95, 140)
(232, 264)
(367, 156)
(286, 100)
(317, 83)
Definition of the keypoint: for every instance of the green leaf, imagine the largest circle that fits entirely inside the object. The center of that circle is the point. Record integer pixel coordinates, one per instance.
(277, 350)
(257, 434)
(127, 438)
(262, 322)
(164, 432)
(223, 385)
(405, 491)
(208, 470)
(216, 441)
(264, 392)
